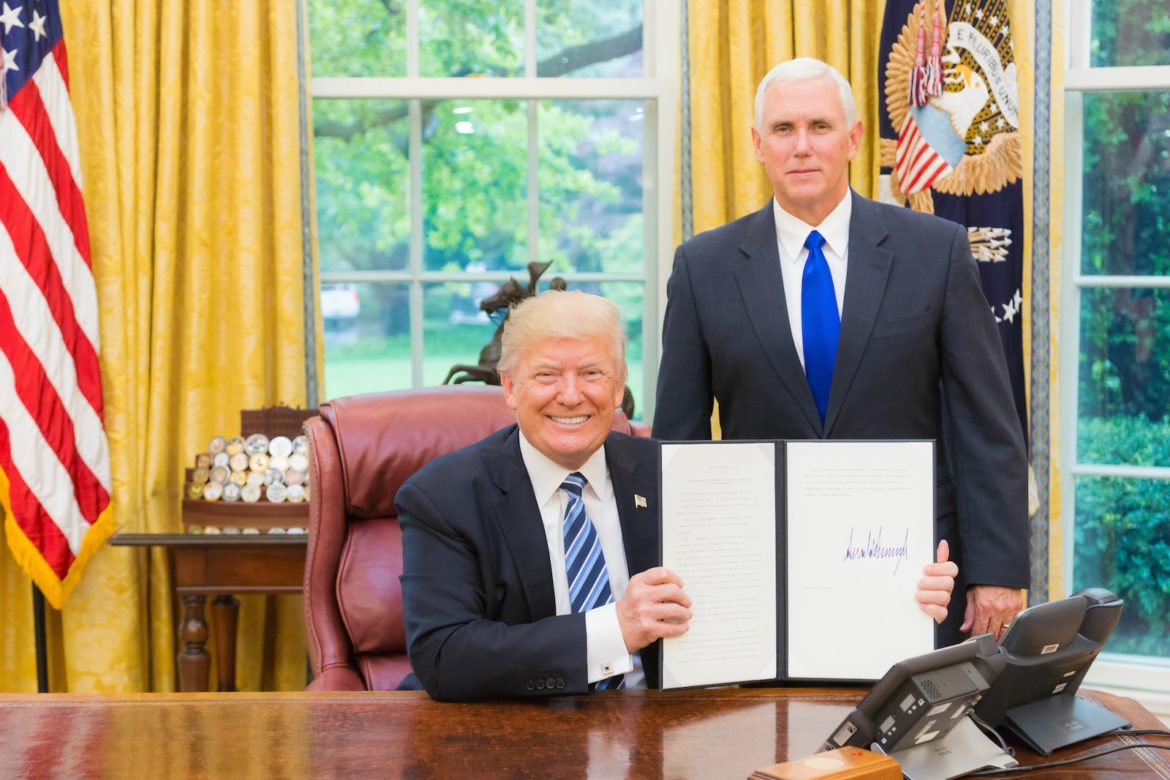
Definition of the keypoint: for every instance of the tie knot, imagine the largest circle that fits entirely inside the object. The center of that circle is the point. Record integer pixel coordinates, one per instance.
(814, 241)
(574, 483)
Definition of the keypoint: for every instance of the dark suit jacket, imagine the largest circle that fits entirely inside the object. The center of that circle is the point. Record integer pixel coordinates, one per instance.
(918, 358)
(477, 585)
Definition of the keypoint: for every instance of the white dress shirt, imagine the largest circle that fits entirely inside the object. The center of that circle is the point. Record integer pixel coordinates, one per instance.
(606, 649)
(791, 233)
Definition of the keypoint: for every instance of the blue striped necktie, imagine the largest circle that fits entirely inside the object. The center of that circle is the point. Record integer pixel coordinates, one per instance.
(584, 560)
(819, 321)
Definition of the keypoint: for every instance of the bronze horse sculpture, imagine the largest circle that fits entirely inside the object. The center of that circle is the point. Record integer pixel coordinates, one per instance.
(509, 294)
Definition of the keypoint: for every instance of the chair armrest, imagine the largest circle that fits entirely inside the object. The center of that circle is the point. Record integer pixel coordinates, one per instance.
(639, 428)
(337, 678)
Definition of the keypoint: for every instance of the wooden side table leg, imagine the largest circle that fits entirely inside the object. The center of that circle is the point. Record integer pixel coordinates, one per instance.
(193, 659)
(227, 614)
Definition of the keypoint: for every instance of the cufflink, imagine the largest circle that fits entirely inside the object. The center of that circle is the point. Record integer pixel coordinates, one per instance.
(607, 669)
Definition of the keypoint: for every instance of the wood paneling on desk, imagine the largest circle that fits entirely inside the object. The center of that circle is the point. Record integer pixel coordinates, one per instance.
(701, 734)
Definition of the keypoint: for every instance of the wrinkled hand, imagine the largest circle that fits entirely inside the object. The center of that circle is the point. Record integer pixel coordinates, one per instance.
(990, 609)
(654, 606)
(934, 589)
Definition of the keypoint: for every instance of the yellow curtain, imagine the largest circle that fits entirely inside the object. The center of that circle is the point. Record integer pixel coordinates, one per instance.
(188, 122)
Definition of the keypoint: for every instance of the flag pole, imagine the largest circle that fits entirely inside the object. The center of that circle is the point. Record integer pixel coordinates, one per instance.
(39, 632)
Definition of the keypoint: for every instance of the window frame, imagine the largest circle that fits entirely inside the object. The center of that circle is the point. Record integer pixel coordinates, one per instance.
(658, 88)
(1148, 677)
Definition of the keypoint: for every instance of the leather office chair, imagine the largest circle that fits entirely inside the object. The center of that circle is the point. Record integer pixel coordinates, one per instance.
(363, 448)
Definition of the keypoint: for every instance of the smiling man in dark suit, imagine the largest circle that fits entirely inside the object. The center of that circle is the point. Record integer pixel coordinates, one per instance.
(529, 558)
(826, 315)
(497, 593)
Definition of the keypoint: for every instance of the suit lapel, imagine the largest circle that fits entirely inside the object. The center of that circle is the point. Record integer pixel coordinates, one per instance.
(762, 287)
(635, 490)
(520, 524)
(865, 285)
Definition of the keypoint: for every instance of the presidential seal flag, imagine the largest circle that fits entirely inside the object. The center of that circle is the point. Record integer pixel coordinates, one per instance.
(950, 141)
(54, 457)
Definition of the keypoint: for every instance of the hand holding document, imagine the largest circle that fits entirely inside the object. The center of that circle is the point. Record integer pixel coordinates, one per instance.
(719, 535)
(860, 524)
(848, 534)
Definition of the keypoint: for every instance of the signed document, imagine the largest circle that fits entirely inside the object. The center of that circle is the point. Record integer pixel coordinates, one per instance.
(719, 534)
(860, 527)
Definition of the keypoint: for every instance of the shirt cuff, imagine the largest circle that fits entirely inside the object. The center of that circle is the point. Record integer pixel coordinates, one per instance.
(606, 649)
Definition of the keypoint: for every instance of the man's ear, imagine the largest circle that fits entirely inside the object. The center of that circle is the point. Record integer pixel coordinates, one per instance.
(855, 138)
(756, 141)
(509, 391)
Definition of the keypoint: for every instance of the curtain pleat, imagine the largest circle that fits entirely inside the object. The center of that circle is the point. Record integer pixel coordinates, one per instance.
(188, 122)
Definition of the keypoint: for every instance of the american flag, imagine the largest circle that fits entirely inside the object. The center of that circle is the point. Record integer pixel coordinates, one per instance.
(54, 456)
(916, 163)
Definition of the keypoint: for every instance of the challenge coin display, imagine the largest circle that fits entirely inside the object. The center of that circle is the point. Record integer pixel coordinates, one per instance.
(253, 484)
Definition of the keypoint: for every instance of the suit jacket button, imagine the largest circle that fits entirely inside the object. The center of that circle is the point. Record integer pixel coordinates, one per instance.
(550, 683)
(531, 685)
(540, 685)
(560, 682)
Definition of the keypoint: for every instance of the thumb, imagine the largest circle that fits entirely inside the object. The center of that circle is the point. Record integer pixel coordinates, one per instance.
(943, 554)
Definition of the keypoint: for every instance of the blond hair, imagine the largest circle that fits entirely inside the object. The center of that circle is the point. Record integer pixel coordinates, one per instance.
(562, 314)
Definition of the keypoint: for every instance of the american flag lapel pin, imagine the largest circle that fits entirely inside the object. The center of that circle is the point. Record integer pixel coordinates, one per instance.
(639, 501)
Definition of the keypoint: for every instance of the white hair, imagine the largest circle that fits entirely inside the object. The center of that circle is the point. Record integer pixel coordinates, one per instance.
(802, 69)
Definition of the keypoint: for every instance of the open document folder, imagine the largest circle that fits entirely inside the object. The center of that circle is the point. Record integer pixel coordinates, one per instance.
(801, 558)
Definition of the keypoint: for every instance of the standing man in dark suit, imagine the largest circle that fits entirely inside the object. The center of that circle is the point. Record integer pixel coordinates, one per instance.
(908, 351)
(506, 592)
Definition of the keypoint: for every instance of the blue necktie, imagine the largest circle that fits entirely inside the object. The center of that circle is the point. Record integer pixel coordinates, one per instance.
(819, 322)
(584, 560)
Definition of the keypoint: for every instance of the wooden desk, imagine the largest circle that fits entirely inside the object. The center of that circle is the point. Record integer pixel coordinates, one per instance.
(221, 565)
(702, 734)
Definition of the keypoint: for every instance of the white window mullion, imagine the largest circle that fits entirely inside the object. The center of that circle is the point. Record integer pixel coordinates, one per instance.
(532, 187)
(415, 201)
(1070, 325)
(662, 44)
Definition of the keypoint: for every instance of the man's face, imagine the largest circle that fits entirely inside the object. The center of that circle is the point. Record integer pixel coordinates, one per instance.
(805, 146)
(564, 392)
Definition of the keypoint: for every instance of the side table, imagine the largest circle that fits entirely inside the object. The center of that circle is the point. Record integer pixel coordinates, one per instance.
(221, 565)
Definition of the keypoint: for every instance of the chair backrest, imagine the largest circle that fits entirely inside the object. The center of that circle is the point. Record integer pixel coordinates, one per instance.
(363, 449)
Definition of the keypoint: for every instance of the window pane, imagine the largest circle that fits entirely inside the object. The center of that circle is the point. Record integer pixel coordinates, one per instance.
(367, 338)
(1124, 380)
(589, 38)
(360, 149)
(591, 172)
(455, 330)
(475, 169)
(1123, 543)
(1126, 212)
(471, 38)
(1131, 32)
(357, 38)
